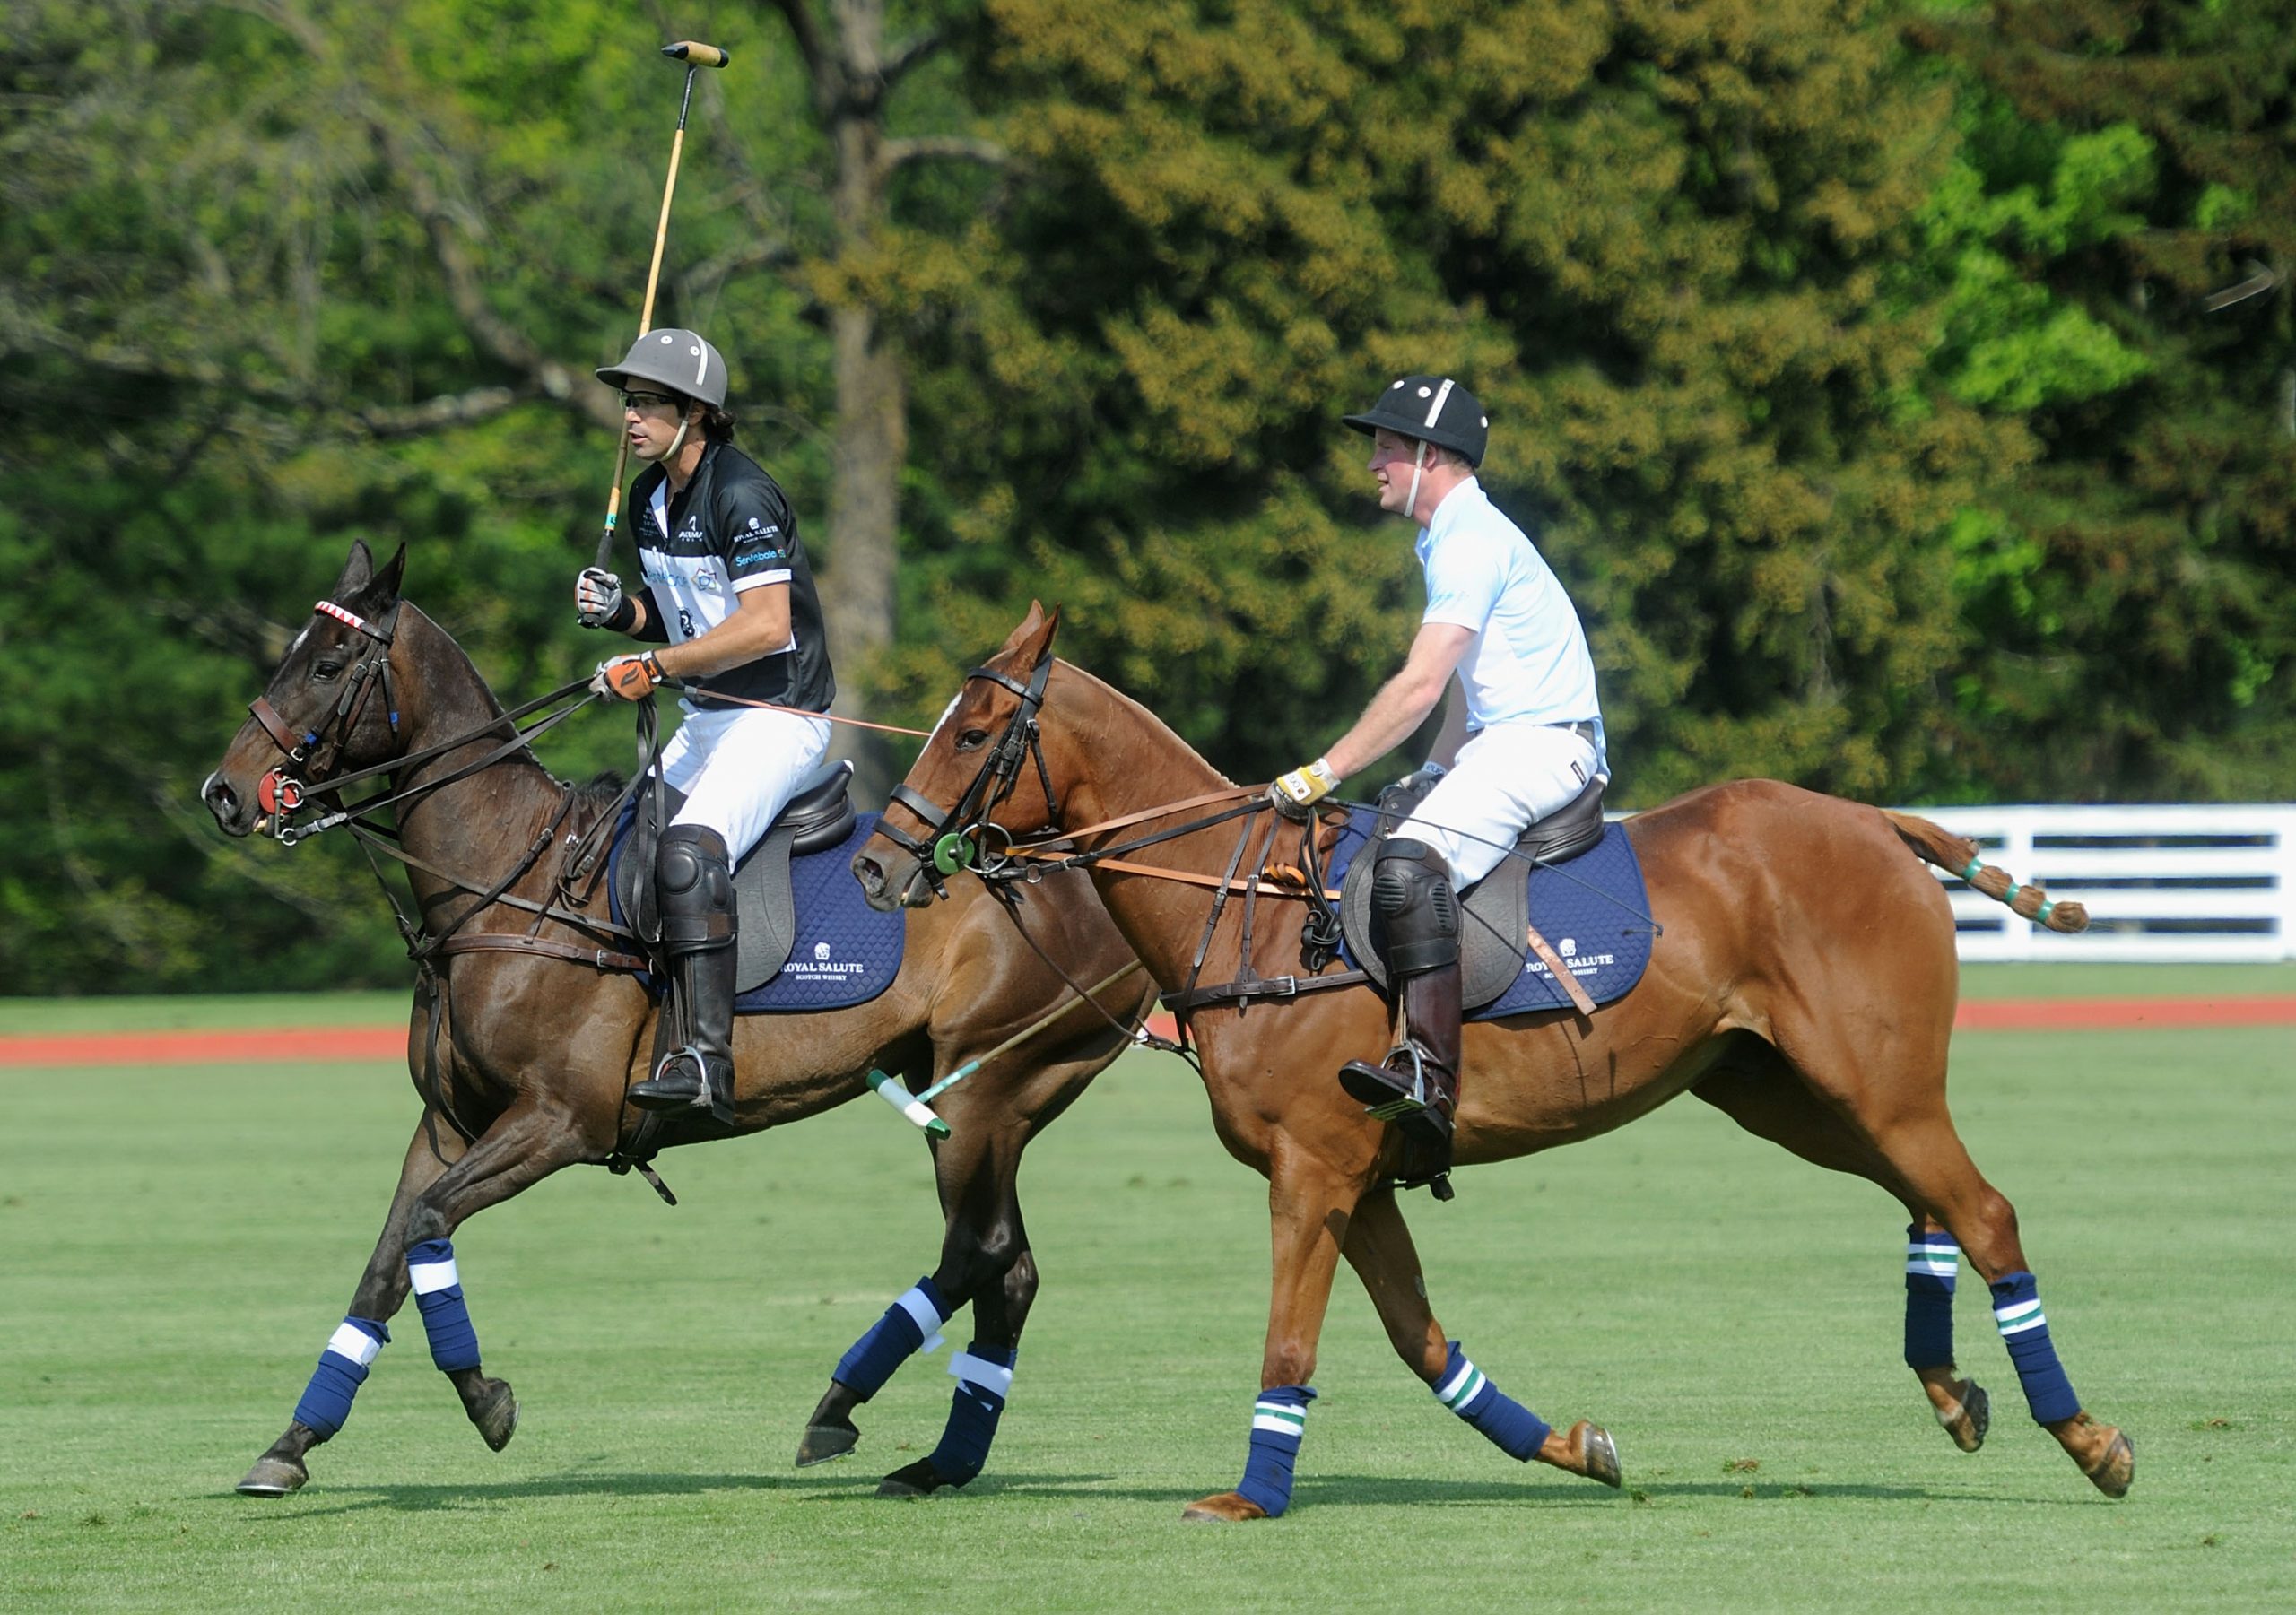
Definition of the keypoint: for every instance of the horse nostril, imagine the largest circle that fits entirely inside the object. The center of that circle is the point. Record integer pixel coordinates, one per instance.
(866, 870)
(218, 795)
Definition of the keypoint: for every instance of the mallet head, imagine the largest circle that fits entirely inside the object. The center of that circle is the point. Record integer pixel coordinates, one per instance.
(696, 54)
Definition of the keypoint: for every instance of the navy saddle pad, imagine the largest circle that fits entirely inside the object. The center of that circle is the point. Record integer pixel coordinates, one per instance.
(1592, 908)
(845, 952)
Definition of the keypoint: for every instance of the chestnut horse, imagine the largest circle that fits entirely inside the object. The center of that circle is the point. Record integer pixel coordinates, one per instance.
(1803, 981)
(523, 1067)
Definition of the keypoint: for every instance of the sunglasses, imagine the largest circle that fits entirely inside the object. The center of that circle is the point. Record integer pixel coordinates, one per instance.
(643, 401)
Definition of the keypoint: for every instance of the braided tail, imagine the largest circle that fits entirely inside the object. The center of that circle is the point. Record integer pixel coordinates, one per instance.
(1958, 856)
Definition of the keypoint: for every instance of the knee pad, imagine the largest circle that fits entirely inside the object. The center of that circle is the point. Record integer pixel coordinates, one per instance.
(1410, 892)
(695, 878)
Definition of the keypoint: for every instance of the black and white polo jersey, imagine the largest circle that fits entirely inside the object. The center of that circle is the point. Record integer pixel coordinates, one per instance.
(729, 531)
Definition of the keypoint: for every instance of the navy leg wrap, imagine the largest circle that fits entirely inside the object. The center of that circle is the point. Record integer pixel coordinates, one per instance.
(907, 1324)
(984, 1380)
(1279, 1418)
(439, 1293)
(342, 1370)
(1508, 1426)
(2024, 1330)
(1932, 1263)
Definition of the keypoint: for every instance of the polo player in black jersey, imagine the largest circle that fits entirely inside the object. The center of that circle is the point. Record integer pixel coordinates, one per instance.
(729, 594)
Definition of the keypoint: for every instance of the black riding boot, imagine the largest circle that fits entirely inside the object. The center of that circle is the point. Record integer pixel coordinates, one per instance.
(696, 882)
(1417, 1086)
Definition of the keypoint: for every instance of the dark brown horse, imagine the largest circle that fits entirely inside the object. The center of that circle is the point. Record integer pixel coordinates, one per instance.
(1803, 982)
(524, 1069)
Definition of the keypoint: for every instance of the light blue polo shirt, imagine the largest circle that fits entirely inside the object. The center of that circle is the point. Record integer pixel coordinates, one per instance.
(1527, 663)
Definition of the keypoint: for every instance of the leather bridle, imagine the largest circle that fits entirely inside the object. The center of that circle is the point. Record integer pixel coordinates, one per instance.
(314, 754)
(958, 837)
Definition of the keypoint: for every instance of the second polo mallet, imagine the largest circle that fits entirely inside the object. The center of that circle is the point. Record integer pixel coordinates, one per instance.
(695, 55)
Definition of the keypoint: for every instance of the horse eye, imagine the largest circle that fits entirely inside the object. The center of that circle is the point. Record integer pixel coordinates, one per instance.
(326, 670)
(972, 739)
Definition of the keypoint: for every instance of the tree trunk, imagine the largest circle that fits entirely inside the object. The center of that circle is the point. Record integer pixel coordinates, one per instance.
(857, 589)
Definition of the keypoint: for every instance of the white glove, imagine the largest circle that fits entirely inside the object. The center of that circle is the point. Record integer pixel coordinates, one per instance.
(598, 599)
(1295, 793)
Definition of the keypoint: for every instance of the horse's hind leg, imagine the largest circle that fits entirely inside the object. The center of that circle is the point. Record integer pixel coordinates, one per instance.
(1379, 1247)
(983, 1370)
(1898, 1106)
(983, 1261)
(343, 1367)
(1756, 1087)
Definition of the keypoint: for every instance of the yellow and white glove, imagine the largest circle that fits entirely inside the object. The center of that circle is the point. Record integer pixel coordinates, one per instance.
(1296, 793)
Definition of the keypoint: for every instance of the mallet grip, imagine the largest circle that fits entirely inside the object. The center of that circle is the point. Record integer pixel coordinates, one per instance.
(695, 52)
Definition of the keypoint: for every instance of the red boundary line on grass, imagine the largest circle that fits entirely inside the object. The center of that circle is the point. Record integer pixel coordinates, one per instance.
(358, 1043)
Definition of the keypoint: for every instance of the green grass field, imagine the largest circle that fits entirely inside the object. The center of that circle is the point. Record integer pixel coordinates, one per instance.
(179, 1244)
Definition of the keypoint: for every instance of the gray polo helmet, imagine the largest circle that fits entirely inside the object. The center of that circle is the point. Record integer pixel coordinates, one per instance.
(1432, 409)
(683, 361)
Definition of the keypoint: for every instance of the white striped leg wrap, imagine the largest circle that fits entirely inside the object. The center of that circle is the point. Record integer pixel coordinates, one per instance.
(1280, 1418)
(1461, 1388)
(919, 1307)
(989, 1377)
(430, 1277)
(2019, 1317)
(351, 1341)
(1938, 1259)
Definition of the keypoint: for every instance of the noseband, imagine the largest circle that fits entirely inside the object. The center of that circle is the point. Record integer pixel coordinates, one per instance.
(958, 837)
(280, 792)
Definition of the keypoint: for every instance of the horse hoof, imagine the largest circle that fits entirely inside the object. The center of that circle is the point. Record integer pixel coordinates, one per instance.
(2113, 1472)
(276, 1477)
(1968, 1419)
(917, 1479)
(496, 1416)
(1223, 1505)
(823, 1442)
(1598, 1453)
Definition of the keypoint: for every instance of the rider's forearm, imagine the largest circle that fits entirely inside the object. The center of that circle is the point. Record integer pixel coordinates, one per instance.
(1401, 706)
(742, 638)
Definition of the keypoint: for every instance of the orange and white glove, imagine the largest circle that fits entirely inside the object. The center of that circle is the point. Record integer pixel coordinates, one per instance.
(1295, 793)
(628, 678)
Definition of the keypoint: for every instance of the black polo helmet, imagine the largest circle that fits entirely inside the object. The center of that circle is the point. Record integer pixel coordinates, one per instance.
(680, 361)
(1432, 409)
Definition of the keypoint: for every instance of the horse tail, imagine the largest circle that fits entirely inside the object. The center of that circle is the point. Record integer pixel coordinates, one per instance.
(1960, 855)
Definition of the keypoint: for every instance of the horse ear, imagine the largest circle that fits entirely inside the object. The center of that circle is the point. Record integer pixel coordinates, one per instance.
(358, 571)
(1029, 624)
(393, 572)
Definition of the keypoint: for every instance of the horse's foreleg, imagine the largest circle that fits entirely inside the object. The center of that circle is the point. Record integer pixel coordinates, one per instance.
(1380, 1248)
(1310, 1203)
(525, 1144)
(343, 1367)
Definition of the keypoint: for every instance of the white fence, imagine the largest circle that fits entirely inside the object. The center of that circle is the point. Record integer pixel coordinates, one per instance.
(2213, 884)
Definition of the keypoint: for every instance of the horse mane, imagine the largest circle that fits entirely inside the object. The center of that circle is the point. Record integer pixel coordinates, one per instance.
(1147, 718)
(601, 788)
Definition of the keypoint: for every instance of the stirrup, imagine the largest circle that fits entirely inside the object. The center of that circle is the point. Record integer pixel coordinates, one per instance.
(1389, 1078)
(682, 1082)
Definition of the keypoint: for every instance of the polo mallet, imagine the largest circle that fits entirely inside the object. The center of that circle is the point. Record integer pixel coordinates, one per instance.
(696, 55)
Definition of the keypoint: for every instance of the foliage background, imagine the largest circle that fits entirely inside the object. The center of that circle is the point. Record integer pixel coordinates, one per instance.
(1873, 373)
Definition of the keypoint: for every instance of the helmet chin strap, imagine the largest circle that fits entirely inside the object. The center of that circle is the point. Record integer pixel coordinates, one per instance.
(1418, 470)
(670, 455)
